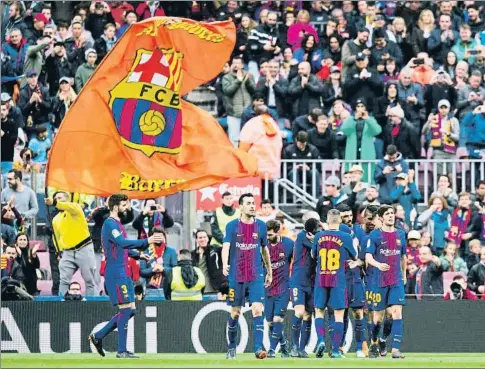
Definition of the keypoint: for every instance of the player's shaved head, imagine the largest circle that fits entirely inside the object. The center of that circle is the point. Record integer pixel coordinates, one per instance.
(333, 217)
(312, 225)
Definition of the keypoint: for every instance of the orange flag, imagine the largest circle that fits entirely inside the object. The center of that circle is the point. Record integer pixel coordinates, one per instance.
(129, 130)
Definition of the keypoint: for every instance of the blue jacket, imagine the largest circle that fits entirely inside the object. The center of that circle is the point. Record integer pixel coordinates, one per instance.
(17, 56)
(387, 182)
(316, 58)
(169, 261)
(474, 126)
(408, 198)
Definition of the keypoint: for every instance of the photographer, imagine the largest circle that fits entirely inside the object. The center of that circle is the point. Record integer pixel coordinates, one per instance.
(459, 290)
(12, 277)
(74, 293)
(153, 215)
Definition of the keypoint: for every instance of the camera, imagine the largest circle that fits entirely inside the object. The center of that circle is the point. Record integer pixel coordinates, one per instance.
(456, 290)
(28, 157)
(473, 52)
(418, 61)
(153, 207)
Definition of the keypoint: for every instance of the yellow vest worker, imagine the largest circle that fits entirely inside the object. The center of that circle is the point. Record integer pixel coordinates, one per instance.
(184, 282)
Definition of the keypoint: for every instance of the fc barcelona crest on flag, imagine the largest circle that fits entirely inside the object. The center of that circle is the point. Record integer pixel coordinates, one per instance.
(146, 103)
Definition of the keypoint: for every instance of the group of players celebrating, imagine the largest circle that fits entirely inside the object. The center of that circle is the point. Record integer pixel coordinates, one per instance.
(333, 266)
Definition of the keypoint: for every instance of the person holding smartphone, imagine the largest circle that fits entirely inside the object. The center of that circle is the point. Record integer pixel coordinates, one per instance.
(153, 215)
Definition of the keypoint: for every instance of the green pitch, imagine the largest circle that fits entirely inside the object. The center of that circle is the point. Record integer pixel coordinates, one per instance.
(243, 361)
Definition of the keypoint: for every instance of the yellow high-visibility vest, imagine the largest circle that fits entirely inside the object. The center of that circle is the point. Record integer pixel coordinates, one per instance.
(222, 220)
(180, 292)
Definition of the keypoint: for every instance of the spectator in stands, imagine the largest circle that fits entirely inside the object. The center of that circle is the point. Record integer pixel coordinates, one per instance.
(443, 132)
(324, 139)
(34, 58)
(184, 282)
(305, 90)
(473, 134)
(442, 38)
(76, 45)
(12, 267)
(153, 215)
(208, 259)
(476, 276)
(221, 217)
(274, 88)
(83, 73)
(422, 69)
(437, 220)
(297, 31)
(58, 67)
(352, 48)
(450, 64)
(11, 217)
(471, 96)
(71, 237)
(360, 130)
(238, 86)
(267, 211)
(158, 259)
(410, 96)
(383, 49)
(62, 101)
(36, 30)
(35, 104)
(309, 52)
(40, 144)
(412, 248)
(106, 42)
(441, 88)
(14, 111)
(465, 44)
(149, 9)
(25, 199)
(9, 138)
(407, 194)
(465, 223)
(361, 81)
(306, 122)
(99, 15)
(450, 261)
(331, 199)
(386, 172)
(357, 185)
(474, 254)
(429, 278)
(15, 19)
(302, 150)
(337, 115)
(129, 17)
(479, 196)
(332, 89)
(383, 104)
(459, 290)
(29, 262)
(250, 111)
(402, 134)
(444, 189)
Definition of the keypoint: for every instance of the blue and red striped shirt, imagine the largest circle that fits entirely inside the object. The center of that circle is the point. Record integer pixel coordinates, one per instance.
(303, 266)
(281, 255)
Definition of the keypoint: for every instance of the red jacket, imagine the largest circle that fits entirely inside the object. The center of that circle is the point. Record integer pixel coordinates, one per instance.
(143, 11)
(467, 295)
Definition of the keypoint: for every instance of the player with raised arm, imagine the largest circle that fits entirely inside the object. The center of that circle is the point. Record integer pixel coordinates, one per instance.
(118, 283)
(386, 252)
(243, 249)
(301, 285)
(331, 248)
(277, 294)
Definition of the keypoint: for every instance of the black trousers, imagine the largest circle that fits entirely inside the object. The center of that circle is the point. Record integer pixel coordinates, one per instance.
(54, 271)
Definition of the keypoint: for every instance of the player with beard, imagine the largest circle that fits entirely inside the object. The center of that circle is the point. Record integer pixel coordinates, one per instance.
(386, 252)
(355, 284)
(277, 294)
(245, 245)
(118, 283)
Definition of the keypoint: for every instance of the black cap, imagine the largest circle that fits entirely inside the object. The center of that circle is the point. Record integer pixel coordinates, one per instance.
(59, 43)
(360, 56)
(363, 29)
(31, 73)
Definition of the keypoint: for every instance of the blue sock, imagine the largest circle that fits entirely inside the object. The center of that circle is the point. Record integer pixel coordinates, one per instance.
(338, 332)
(276, 335)
(306, 330)
(359, 333)
(283, 336)
(295, 330)
(258, 326)
(397, 333)
(232, 331)
(331, 321)
(320, 328)
(346, 326)
(123, 318)
(270, 330)
(108, 328)
(375, 332)
(386, 330)
(370, 328)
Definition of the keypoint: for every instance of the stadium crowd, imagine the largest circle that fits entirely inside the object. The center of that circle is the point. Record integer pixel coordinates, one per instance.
(385, 81)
